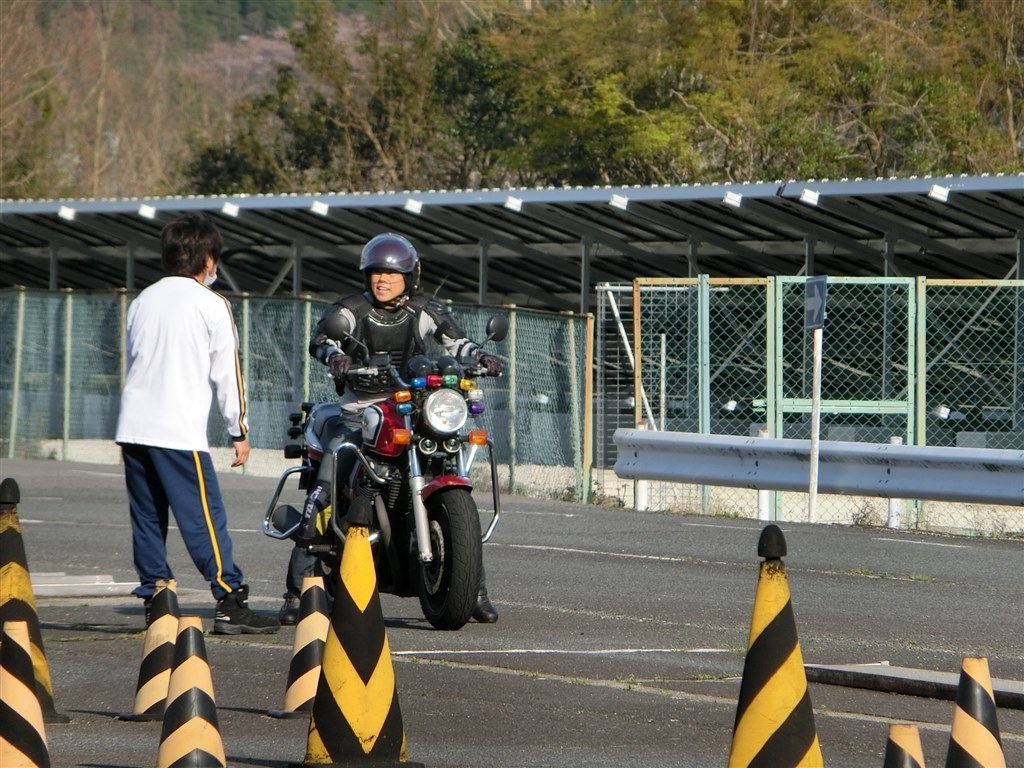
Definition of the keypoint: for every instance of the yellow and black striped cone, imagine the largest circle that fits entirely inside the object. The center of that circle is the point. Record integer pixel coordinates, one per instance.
(974, 739)
(17, 601)
(191, 732)
(356, 718)
(157, 655)
(774, 720)
(22, 734)
(903, 749)
(307, 650)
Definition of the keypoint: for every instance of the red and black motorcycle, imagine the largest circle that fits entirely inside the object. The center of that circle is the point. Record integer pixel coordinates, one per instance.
(411, 480)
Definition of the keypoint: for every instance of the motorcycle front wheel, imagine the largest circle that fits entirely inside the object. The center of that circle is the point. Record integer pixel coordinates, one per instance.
(448, 586)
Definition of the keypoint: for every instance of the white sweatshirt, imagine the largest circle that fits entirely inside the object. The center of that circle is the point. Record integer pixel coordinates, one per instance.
(181, 346)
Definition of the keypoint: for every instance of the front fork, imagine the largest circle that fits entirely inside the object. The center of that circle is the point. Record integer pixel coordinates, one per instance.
(419, 509)
(416, 485)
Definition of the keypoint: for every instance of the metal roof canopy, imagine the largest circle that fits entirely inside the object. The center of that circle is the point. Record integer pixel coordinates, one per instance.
(545, 247)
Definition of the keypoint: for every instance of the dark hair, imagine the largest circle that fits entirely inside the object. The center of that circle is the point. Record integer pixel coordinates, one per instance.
(185, 243)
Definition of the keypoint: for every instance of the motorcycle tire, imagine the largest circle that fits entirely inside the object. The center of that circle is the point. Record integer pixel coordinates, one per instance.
(449, 585)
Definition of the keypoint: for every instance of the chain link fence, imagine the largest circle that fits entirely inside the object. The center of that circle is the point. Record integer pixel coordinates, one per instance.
(904, 359)
(923, 362)
(62, 367)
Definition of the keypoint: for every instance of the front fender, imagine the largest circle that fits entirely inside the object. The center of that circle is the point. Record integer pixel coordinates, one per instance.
(445, 481)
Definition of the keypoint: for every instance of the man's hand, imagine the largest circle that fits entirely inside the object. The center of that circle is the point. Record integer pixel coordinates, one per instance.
(339, 365)
(491, 363)
(241, 452)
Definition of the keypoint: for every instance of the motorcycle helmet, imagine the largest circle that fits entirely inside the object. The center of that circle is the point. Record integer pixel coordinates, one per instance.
(391, 252)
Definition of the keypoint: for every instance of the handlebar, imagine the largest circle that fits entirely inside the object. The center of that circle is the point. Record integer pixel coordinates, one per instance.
(470, 371)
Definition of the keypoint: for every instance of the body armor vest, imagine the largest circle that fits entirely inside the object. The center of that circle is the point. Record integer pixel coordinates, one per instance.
(394, 332)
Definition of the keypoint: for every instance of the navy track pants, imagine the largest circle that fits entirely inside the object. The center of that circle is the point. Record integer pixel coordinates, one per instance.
(162, 479)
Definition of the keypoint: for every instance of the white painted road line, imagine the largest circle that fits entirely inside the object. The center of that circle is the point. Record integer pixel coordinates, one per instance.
(922, 543)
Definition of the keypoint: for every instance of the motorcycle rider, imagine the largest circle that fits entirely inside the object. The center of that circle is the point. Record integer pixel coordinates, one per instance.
(389, 316)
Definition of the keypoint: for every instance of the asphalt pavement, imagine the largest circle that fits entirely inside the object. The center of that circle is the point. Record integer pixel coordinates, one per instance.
(621, 640)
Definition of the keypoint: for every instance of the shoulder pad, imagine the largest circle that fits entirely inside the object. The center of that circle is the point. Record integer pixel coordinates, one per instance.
(357, 304)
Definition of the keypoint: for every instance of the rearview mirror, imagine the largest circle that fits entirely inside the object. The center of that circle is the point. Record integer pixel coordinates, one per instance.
(336, 326)
(497, 328)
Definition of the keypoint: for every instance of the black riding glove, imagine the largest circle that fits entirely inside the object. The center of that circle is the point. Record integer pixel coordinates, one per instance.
(491, 363)
(339, 365)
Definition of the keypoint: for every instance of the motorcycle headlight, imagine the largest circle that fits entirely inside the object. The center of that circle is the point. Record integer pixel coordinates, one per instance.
(445, 411)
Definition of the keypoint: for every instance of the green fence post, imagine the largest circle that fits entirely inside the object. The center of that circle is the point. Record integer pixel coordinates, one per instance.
(19, 342)
(574, 400)
(246, 360)
(511, 398)
(66, 411)
(704, 372)
(307, 314)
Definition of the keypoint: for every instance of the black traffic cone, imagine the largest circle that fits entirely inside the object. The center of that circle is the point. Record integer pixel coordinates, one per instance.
(22, 734)
(157, 655)
(974, 739)
(903, 748)
(17, 601)
(191, 732)
(774, 719)
(356, 717)
(307, 650)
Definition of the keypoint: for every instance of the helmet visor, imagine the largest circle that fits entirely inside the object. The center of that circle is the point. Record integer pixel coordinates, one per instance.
(389, 253)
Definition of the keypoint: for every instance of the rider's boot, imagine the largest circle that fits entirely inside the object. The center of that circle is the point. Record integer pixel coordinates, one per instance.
(289, 613)
(484, 612)
(317, 501)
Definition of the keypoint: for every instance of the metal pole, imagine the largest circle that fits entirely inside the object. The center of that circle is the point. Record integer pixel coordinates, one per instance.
(129, 268)
(574, 404)
(585, 274)
(246, 357)
(54, 269)
(122, 303)
(664, 384)
(588, 408)
(704, 371)
(307, 319)
(68, 347)
(812, 492)
(19, 343)
(511, 398)
(481, 297)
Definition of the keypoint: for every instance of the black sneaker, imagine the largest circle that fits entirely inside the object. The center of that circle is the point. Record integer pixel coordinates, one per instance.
(234, 617)
(289, 613)
(147, 607)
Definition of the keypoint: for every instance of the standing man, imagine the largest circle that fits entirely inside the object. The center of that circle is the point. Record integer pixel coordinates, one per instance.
(181, 347)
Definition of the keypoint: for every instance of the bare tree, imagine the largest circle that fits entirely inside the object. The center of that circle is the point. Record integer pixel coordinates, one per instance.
(30, 100)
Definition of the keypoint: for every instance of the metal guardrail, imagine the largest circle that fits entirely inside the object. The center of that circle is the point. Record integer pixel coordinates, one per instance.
(970, 475)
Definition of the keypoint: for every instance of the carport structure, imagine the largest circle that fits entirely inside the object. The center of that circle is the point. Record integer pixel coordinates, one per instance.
(540, 247)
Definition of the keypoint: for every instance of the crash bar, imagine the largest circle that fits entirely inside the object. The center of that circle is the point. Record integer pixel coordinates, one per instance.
(971, 475)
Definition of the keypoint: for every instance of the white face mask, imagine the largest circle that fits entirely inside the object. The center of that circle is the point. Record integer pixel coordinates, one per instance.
(210, 279)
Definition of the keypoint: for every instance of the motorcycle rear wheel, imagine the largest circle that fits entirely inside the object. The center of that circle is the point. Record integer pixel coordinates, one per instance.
(448, 586)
